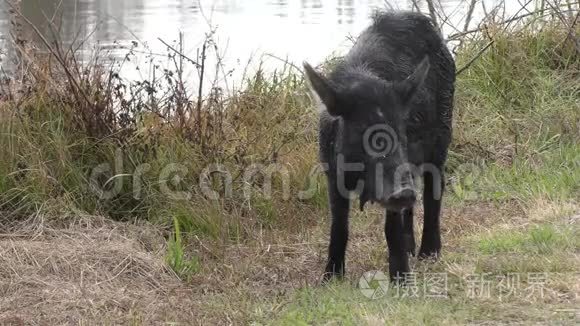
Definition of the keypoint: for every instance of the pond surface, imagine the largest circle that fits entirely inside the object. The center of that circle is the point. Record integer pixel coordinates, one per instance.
(269, 30)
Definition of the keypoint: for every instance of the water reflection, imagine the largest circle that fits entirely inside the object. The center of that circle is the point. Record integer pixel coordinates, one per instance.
(345, 11)
(280, 8)
(297, 29)
(310, 11)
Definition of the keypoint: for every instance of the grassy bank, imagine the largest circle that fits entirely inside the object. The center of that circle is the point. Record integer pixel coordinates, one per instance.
(74, 147)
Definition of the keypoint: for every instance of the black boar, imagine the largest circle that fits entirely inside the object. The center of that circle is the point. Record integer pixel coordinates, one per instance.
(387, 121)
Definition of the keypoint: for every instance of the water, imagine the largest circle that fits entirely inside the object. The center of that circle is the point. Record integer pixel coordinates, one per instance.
(265, 30)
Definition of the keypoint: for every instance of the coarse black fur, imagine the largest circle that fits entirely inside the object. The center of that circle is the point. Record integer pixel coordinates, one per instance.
(400, 73)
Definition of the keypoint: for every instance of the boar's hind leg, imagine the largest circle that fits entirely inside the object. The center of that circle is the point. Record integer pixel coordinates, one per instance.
(339, 206)
(432, 195)
(398, 257)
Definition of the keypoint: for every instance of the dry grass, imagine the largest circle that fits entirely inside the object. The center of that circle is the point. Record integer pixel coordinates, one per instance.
(92, 270)
(95, 270)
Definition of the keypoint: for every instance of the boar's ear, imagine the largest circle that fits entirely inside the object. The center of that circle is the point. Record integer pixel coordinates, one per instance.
(409, 86)
(322, 88)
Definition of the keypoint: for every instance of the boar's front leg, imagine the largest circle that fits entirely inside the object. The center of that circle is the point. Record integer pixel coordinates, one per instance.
(398, 255)
(409, 234)
(339, 206)
(432, 193)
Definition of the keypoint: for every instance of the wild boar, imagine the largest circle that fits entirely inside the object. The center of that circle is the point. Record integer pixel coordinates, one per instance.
(386, 121)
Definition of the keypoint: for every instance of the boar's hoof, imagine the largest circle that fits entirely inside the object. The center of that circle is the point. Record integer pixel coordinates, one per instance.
(431, 254)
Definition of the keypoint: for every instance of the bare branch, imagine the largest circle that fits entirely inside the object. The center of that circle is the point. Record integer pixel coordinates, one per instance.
(457, 36)
(433, 13)
(472, 60)
(178, 52)
(469, 14)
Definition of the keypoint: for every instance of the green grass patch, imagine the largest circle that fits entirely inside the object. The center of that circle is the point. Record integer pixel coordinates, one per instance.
(541, 239)
(176, 258)
(503, 264)
(345, 305)
(544, 248)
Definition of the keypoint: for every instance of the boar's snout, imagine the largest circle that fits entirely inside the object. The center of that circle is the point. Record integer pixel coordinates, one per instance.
(404, 198)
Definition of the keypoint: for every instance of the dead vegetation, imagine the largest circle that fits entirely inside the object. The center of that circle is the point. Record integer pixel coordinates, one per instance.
(93, 269)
